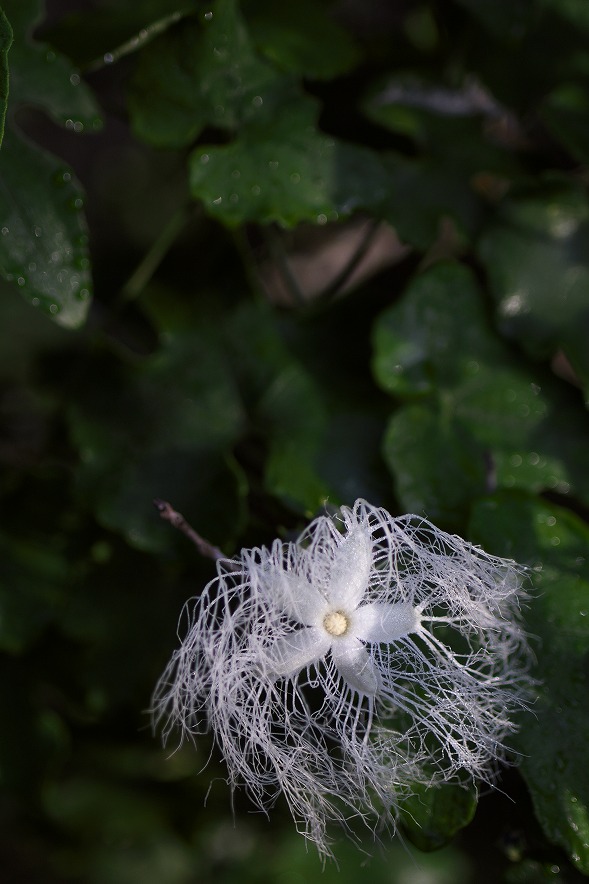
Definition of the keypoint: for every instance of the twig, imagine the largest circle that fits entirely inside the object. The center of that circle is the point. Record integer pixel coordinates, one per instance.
(157, 252)
(176, 519)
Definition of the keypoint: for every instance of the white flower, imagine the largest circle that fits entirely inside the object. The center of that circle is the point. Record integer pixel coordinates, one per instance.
(344, 668)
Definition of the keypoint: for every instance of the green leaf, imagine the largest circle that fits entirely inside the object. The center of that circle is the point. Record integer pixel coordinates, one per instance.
(554, 736)
(201, 72)
(43, 241)
(141, 432)
(432, 816)
(484, 417)
(301, 38)
(284, 406)
(536, 258)
(437, 466)
(284, 170)
(43, 78)
(43, 246)
(5, 43)
(279, 166)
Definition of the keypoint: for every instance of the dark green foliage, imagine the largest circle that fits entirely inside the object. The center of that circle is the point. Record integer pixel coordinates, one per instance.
(202, 336)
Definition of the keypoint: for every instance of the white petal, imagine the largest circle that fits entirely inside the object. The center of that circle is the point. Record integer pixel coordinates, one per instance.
(299, 600)
(288, 655)
(351, 570)
(355, 665)
(379, 622)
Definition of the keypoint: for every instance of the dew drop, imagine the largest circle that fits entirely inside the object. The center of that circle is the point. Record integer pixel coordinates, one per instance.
(38, 231)
(236, 174)
(83, 294)
(234, 198)
(257, 101)
(32, 267)
(515, 460)
(53, 308)
(219, 110)
(555, 541)
(510, 395)
(5, 231)
(204, 158)
(78, 203)
(67, 176)
(582, 613)
(295, 177)
(108, 58)
(75, 79)
(78, 126)
(69, 124)
(35, 302)
(208, 16)
(21, 280)
(273, 164)
(321, 219)
(533, 458)
(256, 190)
(524, 410)
(551, 520)
(218, 201)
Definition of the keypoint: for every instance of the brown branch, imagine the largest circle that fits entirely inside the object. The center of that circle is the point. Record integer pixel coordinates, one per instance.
(176, 519)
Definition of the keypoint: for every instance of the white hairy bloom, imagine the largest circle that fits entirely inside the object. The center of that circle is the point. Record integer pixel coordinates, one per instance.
(372, 654)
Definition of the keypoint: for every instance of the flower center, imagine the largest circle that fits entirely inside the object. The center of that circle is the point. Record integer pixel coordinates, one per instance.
(336, 623)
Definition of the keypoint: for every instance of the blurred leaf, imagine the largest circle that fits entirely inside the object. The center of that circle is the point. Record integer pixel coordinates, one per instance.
(448, 128)
(284, 406)
(437, 466)
(43, 243)
(432, 816)
(43, 246)
(507, 19)
(5, 43)
(576, 11)
(279, 167)
(286, 171)
(142, 431)
(553, 737)
(301, 38)
(32, 590)
(41, 77)
(565, 111)
(200, 73)
(536, 258)
(483, 413)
